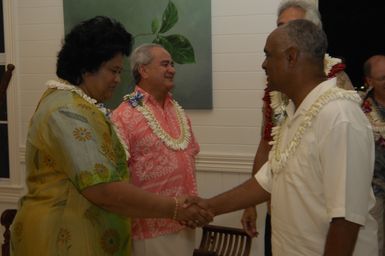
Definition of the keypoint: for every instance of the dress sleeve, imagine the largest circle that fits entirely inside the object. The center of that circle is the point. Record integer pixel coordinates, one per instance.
(86, 146)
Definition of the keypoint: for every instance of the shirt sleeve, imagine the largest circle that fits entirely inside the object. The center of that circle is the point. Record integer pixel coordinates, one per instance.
(264, 177)
(84, 142)
(347, 158)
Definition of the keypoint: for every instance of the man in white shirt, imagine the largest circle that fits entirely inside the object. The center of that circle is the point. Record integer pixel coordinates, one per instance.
(319, 172)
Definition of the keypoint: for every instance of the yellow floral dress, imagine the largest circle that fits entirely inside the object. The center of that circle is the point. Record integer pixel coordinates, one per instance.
(71, 145)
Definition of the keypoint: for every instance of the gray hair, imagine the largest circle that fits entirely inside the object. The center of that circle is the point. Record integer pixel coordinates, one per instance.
(141, 56)
(308, 37)
(311, 12)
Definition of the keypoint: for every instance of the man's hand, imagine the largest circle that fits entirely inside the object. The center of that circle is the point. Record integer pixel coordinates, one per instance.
(249, 219)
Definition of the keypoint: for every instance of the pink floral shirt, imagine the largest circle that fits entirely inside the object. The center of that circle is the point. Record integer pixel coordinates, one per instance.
(155, 167)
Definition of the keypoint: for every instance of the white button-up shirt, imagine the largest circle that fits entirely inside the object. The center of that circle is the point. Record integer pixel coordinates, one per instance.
(328, 176)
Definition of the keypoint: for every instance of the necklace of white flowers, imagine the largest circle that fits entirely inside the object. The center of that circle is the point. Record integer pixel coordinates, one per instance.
(278, 158)
(66, 86)
(378, 124)
(181, 143)
(279, 101)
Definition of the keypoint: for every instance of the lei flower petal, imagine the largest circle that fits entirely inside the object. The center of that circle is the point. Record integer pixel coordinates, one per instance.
(135, 98)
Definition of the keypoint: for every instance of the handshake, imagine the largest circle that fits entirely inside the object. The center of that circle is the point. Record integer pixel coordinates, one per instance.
(192, 211)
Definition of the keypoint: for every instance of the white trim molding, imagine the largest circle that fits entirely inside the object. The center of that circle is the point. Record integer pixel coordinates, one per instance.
(10, 193)
(2, 58)
(218, 162)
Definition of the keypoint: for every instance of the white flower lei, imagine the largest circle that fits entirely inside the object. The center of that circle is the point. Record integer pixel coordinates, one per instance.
(66, 86)
(278, 159)
(329, 62)
(180, 143)
(279, 101)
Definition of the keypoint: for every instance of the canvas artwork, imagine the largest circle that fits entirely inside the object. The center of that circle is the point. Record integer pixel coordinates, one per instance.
(182, 27)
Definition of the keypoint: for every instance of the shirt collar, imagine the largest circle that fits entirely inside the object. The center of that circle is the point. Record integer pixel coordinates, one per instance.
(310, 98)
(149, 99)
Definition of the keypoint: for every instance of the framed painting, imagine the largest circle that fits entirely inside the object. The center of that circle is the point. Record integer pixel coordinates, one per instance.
(182, 27)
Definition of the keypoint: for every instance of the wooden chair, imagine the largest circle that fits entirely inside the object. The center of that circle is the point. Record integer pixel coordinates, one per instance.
(8, 215)
(6, 220)
(4, 82)
(223, 241)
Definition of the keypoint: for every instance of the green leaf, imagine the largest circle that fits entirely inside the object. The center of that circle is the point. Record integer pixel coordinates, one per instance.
(154, 25)
(169, 17)
(165, 43)
(179, 47)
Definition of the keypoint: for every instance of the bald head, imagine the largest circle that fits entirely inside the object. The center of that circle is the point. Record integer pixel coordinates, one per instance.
(374, 71)
(376, 60)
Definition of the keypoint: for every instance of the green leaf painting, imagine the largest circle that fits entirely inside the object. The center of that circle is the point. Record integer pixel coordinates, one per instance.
(182, 27)
(169, 17)
(154, 25)
(177, 45)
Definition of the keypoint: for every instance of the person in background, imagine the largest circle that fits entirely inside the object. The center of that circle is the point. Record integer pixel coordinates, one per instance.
(318, 175)
(162, 149)
(374, 107)
(79, 197)
(275, 101)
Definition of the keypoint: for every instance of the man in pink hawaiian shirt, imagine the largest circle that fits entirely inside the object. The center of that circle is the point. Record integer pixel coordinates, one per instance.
(162, 149)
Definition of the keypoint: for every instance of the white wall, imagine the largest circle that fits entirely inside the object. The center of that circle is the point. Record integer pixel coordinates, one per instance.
(228, 134)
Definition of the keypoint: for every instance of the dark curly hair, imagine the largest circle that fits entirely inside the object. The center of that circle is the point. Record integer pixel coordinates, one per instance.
(88, 45)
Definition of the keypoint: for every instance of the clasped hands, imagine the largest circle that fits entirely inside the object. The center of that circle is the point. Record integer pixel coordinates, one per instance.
(193, 211)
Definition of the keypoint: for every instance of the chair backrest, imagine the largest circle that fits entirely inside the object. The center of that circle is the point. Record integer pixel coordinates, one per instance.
(5, 78)
(223, 241)
(6, 220)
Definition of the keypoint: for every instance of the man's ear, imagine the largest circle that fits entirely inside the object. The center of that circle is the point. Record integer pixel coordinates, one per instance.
(292, 55)
(142, 71)
(368, 81)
